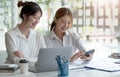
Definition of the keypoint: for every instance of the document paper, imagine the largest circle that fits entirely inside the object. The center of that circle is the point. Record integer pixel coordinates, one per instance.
(105, 65)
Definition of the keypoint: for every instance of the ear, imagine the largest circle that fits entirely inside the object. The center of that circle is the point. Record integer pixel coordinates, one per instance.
(55, 20)
(24, 16)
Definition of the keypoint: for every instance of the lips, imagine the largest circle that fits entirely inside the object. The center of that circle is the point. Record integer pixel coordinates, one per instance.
(33, 25)
(64, 28)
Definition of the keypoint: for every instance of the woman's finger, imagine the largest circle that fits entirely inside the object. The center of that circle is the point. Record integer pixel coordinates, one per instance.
(18, 54)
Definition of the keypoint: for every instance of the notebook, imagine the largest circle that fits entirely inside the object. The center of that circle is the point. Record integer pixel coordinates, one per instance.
(46, 59)
(8, 68)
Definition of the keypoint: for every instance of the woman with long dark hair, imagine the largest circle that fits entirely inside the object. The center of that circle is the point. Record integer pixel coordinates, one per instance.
(23, 41)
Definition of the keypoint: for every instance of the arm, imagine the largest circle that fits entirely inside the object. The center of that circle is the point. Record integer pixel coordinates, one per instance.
(13, 53)
(78, 44)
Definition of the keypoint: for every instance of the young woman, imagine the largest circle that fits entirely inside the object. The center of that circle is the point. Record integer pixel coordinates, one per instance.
(61, 35)
(23, 41)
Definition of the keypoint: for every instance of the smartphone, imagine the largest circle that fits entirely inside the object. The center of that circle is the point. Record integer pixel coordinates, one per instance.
(90, 52)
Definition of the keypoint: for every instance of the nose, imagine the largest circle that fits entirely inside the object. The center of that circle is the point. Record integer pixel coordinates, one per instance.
(66, 25)
(37, 21)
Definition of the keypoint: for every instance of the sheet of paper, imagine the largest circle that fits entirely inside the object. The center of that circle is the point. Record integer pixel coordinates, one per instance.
(79, 64)
(105, 65)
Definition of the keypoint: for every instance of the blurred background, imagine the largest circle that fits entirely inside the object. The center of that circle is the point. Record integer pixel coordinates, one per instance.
(94, 20)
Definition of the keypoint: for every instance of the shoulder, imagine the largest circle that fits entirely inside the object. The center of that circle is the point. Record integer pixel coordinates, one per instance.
(38, 33)
(72, 33)
(12, 31)
(48, 35)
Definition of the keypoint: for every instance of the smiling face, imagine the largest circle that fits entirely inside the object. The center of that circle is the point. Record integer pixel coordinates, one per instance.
(32, 20)
(63, 23)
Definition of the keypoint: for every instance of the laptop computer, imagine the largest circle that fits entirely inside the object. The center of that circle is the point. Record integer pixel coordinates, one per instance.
(46, 59)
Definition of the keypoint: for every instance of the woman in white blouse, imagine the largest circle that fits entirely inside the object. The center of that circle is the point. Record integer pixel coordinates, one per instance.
(23, 41)
(61, 35)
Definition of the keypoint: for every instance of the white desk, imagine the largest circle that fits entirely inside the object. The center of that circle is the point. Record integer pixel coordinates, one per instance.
(73, 73)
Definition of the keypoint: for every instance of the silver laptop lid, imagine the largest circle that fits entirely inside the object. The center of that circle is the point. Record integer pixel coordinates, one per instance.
(46, 58)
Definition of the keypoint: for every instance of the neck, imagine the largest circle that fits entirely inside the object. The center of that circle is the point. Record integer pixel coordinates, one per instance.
(59, 34)
(24, 29)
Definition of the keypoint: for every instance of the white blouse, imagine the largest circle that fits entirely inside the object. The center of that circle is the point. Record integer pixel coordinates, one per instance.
(16, 41)
(71, 39)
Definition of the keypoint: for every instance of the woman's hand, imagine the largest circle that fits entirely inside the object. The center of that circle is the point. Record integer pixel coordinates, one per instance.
(18, 54)
(87, 57)
(76, 56)
(81, 55)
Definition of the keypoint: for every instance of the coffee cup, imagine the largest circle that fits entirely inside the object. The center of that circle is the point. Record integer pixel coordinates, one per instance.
(24, 64)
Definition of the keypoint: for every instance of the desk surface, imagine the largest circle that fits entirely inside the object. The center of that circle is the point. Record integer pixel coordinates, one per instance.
(75, 73)
(72, 73)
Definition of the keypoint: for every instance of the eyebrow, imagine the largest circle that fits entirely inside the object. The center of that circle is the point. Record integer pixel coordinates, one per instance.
(38, 17)
(65, 20)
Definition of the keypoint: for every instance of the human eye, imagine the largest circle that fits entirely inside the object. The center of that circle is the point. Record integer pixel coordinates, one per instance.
(34, 17)
(62, 21)
(69, 22)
